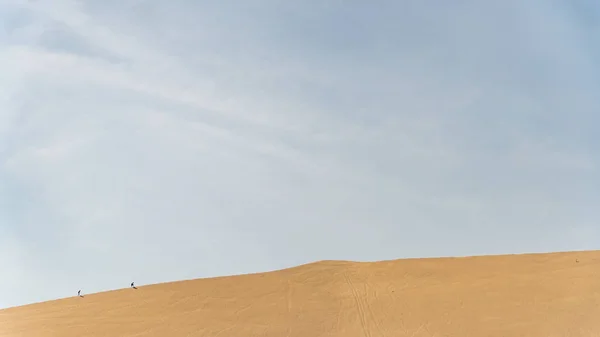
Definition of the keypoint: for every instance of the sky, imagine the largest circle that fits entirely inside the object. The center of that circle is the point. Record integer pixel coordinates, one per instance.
(154, 141)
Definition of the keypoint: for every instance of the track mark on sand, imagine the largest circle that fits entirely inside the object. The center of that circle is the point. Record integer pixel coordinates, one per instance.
(289, 304)
(359, 307)
(220, 332)
(373, 318)
(289, 296)
(418, 330)
(339, 314)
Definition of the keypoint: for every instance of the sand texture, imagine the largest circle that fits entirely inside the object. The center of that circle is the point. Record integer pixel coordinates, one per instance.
(514, 295)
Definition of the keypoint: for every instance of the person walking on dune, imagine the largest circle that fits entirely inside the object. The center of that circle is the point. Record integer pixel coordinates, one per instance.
(133, 286)
(79, 293)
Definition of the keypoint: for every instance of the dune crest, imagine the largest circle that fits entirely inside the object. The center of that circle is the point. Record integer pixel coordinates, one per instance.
(554, 294)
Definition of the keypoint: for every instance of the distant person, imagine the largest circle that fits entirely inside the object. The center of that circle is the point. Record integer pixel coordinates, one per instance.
(79, 293)
(133, 286)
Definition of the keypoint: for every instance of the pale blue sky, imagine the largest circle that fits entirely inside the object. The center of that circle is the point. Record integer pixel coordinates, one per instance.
(152, 141)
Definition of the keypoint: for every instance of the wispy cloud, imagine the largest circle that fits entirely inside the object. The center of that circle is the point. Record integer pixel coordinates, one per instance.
(154, 141)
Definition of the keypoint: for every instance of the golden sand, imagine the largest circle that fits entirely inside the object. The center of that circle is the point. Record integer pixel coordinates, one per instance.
(514, 295)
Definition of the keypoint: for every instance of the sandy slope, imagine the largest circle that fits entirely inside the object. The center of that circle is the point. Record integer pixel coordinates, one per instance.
(518, 295)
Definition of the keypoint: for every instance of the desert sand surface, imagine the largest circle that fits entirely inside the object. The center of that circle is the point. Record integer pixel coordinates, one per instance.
(554, 294)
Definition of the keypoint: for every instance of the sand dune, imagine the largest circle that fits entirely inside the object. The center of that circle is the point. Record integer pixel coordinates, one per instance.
(514, 295)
